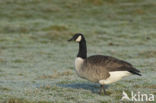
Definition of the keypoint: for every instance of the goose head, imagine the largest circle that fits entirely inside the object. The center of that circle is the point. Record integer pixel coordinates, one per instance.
(78, 37)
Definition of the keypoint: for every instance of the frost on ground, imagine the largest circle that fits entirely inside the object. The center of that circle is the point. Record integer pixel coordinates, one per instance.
(37, 62)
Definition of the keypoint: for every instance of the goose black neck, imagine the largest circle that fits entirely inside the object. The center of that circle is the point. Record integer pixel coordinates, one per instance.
(82, 49)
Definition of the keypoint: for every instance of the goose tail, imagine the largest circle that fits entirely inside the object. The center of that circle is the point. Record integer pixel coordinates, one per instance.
(135, 71)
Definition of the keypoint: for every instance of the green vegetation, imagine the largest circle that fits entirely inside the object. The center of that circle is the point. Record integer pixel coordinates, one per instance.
(37, 62)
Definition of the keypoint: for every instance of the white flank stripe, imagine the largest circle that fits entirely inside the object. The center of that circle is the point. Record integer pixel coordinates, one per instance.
(115, 76)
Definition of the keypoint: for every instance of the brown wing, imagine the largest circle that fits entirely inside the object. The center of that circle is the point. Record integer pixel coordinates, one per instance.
(111, 64)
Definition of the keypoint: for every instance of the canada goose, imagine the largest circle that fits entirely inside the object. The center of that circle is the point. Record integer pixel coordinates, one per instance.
(99, 68)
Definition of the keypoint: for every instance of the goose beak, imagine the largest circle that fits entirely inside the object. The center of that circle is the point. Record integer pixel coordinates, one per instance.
(71, 39)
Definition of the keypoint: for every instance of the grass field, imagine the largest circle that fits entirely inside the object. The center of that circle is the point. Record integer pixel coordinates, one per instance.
(37, 62)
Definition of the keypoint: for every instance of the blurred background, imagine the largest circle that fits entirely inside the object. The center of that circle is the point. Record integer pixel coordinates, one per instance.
(37, 62)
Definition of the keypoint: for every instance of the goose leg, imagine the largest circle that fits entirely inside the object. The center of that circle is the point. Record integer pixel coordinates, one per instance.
(100, 92)
(102, 89)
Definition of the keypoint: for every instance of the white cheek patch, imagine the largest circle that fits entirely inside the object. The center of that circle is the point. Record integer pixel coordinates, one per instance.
(78, 39)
